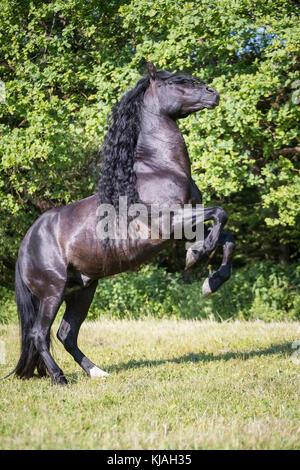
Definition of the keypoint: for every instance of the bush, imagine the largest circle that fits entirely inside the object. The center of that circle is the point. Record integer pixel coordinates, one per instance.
(64, 65)
(265, 291)
(8, 309)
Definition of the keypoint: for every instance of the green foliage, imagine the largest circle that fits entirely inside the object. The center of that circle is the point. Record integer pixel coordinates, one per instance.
(8, 308)
(266, 291)
(65, 63)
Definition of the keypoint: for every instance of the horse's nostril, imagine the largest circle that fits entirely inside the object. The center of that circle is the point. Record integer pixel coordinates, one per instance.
(210, 89)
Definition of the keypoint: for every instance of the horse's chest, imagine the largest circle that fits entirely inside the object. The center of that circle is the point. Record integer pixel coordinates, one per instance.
(163, 189)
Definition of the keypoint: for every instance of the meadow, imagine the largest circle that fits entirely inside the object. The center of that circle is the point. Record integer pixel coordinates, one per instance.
(173, 384)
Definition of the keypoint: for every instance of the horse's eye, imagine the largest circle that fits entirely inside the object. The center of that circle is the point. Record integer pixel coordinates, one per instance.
(170, 83)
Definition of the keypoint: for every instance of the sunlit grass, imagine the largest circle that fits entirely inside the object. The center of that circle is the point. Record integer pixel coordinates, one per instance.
(173, 385)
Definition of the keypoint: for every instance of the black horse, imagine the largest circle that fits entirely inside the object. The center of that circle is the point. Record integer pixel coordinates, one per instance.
(61, 258)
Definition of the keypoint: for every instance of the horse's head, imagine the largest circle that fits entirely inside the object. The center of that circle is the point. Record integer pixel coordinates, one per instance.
(178, 95)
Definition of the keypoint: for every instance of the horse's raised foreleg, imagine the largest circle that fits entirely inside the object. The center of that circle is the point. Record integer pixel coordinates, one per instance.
(77, 307)
(212, 283)
(219, 216)
(215, 281)
(211, 236)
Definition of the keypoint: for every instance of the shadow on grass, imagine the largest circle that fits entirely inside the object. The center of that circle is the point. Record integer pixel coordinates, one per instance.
(283, 348)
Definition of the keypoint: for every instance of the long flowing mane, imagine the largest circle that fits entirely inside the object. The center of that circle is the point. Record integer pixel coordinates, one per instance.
(117, 176)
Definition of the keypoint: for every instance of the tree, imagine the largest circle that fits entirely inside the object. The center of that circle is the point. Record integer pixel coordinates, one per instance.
(64, 64)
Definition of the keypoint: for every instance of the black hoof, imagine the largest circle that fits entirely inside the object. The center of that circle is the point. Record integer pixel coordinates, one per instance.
(60, 380)
(212, 284)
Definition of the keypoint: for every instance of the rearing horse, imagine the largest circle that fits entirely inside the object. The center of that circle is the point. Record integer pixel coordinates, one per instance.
(61, 258)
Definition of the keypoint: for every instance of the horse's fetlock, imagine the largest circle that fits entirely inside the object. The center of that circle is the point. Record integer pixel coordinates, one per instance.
(222, 215)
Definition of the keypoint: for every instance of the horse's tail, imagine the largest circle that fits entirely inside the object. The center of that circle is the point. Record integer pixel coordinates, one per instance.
(28, 305)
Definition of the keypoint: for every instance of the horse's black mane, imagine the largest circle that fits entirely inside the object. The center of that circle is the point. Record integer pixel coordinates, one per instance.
(117, 177)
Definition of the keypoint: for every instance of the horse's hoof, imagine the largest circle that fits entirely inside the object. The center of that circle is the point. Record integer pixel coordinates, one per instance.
(206, 290)
(61, 380)
(191, 258)
(95, 373)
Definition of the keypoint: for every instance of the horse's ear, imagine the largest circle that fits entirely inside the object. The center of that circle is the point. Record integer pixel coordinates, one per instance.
(151, 70)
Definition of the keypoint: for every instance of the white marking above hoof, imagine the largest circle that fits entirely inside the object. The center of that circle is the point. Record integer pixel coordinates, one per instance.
(95, 373)
(206, 290)
(190, 259)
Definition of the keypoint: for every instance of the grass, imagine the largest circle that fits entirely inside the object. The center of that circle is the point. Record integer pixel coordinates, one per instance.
(174, 384)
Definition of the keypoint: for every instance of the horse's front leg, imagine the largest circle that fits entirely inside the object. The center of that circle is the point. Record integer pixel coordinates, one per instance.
(211, 236)
(219, 216)
(212, 283)
(196, 250)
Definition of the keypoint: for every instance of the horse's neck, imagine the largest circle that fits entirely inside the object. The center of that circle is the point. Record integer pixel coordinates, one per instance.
(162, 163)
(161, 142)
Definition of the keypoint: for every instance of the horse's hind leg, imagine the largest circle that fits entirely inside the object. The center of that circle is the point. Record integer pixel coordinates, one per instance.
(40, 336)
(77, 306)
